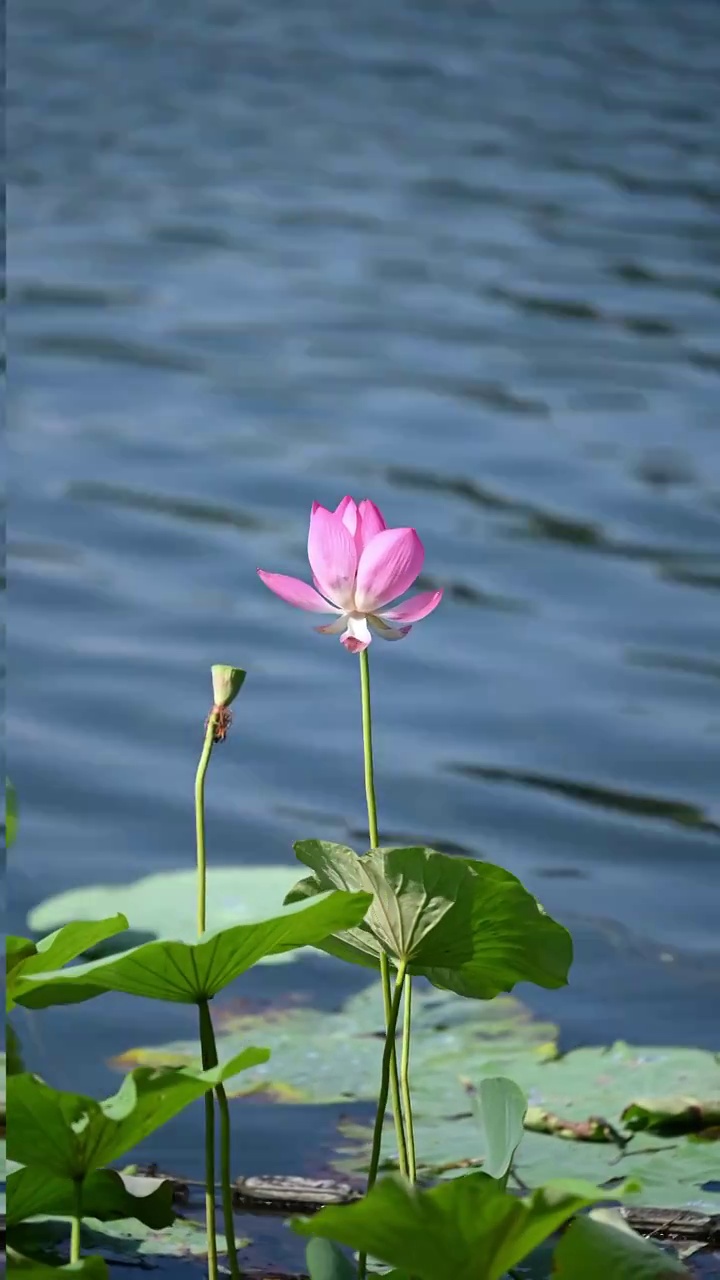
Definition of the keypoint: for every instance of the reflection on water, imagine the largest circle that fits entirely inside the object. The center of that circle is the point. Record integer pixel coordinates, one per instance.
(462, 258)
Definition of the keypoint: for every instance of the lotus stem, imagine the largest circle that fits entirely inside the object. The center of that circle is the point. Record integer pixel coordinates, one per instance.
(384, 962)
(76, 1223)
(210, 1224)
(200, 820)
(210, 1059)
(385, 1077)
(405, 1080)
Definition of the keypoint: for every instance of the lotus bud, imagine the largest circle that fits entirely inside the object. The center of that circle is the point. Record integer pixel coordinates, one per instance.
(227, 683)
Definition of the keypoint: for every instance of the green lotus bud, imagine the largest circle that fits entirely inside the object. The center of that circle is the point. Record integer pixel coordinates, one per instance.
(227, 683)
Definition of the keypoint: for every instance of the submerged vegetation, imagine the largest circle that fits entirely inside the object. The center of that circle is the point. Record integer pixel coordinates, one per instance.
(468, 929)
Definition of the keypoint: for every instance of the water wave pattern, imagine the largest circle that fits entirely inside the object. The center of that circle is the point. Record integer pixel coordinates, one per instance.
(464, 258)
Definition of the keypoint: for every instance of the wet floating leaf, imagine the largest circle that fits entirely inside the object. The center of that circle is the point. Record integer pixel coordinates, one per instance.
(671, 1115)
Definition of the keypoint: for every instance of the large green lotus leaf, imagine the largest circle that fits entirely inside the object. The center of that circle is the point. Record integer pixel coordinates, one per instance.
(31, 1269)
(11, 814)
(184, 973)
(107, 1195)
(596, 1250)
(70, 1135)
(470, 1229)
(25, 958)
(468, 926)
(163, 905)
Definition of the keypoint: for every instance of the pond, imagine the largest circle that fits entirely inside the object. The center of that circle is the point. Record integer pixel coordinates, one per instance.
(464, 260)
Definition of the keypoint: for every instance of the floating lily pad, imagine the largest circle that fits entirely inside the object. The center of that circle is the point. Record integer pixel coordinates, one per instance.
(334, 1058)
(122, 1242)
(163, 905)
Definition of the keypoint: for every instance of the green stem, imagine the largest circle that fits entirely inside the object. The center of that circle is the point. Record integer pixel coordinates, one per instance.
(200, 820)
(405, 1080)
(76, 1223)
(210, 1227)
(210, 1224)
(374, 844)
(383, 1092)
(210, 1058)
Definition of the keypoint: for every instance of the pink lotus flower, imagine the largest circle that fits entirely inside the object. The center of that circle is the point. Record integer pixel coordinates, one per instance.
(359, 566)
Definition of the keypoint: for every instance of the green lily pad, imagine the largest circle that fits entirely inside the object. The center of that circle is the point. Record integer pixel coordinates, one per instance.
(107, 1195)
(333, 1058)
(467, 926)
(594, 1250)
(11, 814)
(470, 1229)
(69, 1135)
(163, 905)
(25, 958)
(124, 1241)
(185, 973)
(31, 1269)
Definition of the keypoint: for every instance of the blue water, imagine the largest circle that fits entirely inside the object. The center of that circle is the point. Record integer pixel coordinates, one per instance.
(465, 259)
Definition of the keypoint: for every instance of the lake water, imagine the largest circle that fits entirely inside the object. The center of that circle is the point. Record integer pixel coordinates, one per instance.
(465, 259)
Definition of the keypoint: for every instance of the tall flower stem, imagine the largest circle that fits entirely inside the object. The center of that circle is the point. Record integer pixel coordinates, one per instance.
(210, 1059)
(76, 1222)
(384, 962)
(208, 1047)
(405, 1080)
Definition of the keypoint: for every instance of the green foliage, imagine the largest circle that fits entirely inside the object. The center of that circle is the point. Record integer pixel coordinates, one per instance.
(107, 1195)
(185, 973)
(470, 1228)
(467, 926)
(326, 1261)
(25, 959)
(592, 1249)
(163, 905)
(70, 1135)
(31, 1269)
(502, 1109)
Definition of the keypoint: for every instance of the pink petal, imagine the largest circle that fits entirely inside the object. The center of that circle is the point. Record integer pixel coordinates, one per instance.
(296, 592)
(348, 512)
(335, 627)
(357, 637)
(415, 608)
(332, 556)
(387, 633)
(388, 566)
(370, 522)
